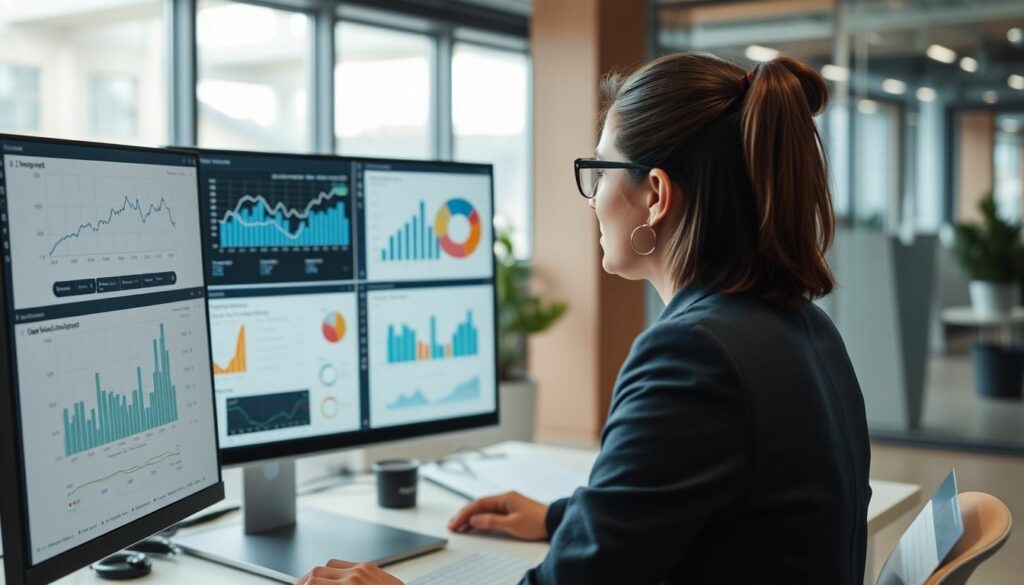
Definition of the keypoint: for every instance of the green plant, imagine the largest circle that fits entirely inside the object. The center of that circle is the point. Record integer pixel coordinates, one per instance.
(991, 251)
(520, 313)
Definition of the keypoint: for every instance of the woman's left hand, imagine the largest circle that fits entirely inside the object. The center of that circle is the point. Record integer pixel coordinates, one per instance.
(337, 572)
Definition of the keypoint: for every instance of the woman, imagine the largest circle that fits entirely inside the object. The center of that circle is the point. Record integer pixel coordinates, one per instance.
(736, 448)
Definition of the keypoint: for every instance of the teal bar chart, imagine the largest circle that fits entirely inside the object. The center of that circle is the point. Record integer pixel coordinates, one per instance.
(117, 416)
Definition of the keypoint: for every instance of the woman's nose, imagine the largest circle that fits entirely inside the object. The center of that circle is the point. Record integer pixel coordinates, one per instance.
(591, 203)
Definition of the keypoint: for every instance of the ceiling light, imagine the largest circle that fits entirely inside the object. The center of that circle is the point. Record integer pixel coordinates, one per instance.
(925, 94)
(969, 64)
(940, 53)
(1015, 81)
(1015, 35)
(894, 86)
(989, 97)
(867, 106)
(835, 73)
(759, 53)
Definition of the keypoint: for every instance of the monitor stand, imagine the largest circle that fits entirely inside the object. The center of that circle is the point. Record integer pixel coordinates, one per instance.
(276, 542)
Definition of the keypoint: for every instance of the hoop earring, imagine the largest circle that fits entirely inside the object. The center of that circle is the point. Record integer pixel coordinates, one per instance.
(654, 239)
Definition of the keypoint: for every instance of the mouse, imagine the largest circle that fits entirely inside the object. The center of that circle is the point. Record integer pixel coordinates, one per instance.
(123, 565)
(156, 545)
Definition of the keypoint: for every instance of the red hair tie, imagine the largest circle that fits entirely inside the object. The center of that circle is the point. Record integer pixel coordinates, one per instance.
(745, 81)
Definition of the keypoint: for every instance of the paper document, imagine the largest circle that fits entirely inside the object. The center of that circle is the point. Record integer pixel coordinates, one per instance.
(477, 477)
(931, 536)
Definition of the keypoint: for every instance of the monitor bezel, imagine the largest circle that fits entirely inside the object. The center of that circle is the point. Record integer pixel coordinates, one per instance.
(307, 446)
(18, 566)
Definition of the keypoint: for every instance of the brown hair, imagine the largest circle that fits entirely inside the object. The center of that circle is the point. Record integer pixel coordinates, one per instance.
(757, 209)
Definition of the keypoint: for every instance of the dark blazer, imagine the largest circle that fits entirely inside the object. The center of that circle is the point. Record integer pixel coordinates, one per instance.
(735, 451)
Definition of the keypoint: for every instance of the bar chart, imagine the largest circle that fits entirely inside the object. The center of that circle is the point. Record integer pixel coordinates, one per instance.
(405, 345)
(413, 241)
(423, 226)
(431, 353)
(116, 415)
(255, 223)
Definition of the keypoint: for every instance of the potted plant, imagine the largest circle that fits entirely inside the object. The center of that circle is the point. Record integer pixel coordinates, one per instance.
(520, 314)
(992, 254)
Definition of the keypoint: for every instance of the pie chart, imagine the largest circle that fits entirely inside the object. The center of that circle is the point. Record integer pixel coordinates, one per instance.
(334, 327)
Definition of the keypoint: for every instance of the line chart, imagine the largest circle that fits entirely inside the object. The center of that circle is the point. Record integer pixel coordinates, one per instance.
(127, 471)
(128, 205)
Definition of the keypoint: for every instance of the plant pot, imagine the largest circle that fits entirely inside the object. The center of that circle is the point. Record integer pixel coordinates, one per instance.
(998, 371)
(992, 299)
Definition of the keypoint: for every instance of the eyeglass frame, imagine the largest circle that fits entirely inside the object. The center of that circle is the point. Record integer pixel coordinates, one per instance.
(593, 163)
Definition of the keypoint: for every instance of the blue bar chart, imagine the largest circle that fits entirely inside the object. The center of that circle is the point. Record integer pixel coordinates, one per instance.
(115, 415)
(405, 345)
(255, 223)
(413, 241)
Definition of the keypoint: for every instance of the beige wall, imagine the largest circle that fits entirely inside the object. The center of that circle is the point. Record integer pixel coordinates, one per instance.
(976, 133)
(574, 43)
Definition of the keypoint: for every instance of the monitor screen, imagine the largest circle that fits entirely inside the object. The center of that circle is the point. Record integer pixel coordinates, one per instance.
(108, 359)
(351, 300)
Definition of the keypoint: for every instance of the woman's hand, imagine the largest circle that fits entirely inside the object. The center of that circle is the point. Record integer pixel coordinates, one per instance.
(511, 513)
(337, 572)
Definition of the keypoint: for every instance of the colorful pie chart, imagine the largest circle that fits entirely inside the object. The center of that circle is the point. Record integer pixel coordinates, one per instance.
(453, 208)
(334, 327)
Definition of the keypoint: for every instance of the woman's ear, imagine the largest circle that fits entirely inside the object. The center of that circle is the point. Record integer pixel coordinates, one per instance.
(662, 196)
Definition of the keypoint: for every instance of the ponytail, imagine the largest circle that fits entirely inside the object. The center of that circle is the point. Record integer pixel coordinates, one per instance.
(786, 162)
(756, 211)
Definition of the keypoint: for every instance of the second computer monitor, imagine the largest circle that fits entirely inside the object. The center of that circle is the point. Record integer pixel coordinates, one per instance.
(352, 301)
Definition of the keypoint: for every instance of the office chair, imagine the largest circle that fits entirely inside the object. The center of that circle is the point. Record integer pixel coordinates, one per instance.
(987, 524)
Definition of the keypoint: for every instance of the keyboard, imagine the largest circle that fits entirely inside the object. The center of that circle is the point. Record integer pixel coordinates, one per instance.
(482, 568)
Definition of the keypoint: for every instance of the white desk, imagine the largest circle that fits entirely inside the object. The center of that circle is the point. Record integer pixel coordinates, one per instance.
(435, 507)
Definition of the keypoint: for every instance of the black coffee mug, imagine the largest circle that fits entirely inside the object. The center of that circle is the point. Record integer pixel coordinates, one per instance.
(396, 482)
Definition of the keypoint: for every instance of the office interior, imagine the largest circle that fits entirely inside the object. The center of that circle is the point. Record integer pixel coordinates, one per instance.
(926, 120)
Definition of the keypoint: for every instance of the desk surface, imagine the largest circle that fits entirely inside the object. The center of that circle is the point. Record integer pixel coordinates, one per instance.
(436, 505)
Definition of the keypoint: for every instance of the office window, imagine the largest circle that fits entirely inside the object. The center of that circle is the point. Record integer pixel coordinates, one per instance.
(1008, 158)
(60, 46)
(876, 164)
(490, 111)
(113, 107)
(383, 92)
(253, 78)
(19, 98)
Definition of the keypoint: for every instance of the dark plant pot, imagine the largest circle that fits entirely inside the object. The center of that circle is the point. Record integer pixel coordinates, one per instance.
(998, 371)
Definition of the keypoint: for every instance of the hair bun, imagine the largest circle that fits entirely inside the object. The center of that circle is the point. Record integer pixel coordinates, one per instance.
(815, 89)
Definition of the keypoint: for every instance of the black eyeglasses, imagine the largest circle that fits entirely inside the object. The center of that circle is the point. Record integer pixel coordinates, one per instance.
(589, 172)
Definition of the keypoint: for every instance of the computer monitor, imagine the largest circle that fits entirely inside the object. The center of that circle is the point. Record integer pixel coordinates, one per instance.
(107, 423)
(352, 301)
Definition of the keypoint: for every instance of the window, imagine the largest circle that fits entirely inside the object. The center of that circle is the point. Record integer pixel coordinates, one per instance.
(383, 92)
(253, 78)
(1008, 158)
(490, 111)
(112, 106)
(60, 49)
(19, 98)
(876, 164)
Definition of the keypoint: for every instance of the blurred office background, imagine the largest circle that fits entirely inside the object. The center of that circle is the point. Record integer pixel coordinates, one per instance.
(927, 117)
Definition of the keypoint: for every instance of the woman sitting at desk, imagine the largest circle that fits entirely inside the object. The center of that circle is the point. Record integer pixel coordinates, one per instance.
(736, 447)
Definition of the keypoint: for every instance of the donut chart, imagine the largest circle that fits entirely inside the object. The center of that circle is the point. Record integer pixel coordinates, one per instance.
(453, 208)
(334, 327)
